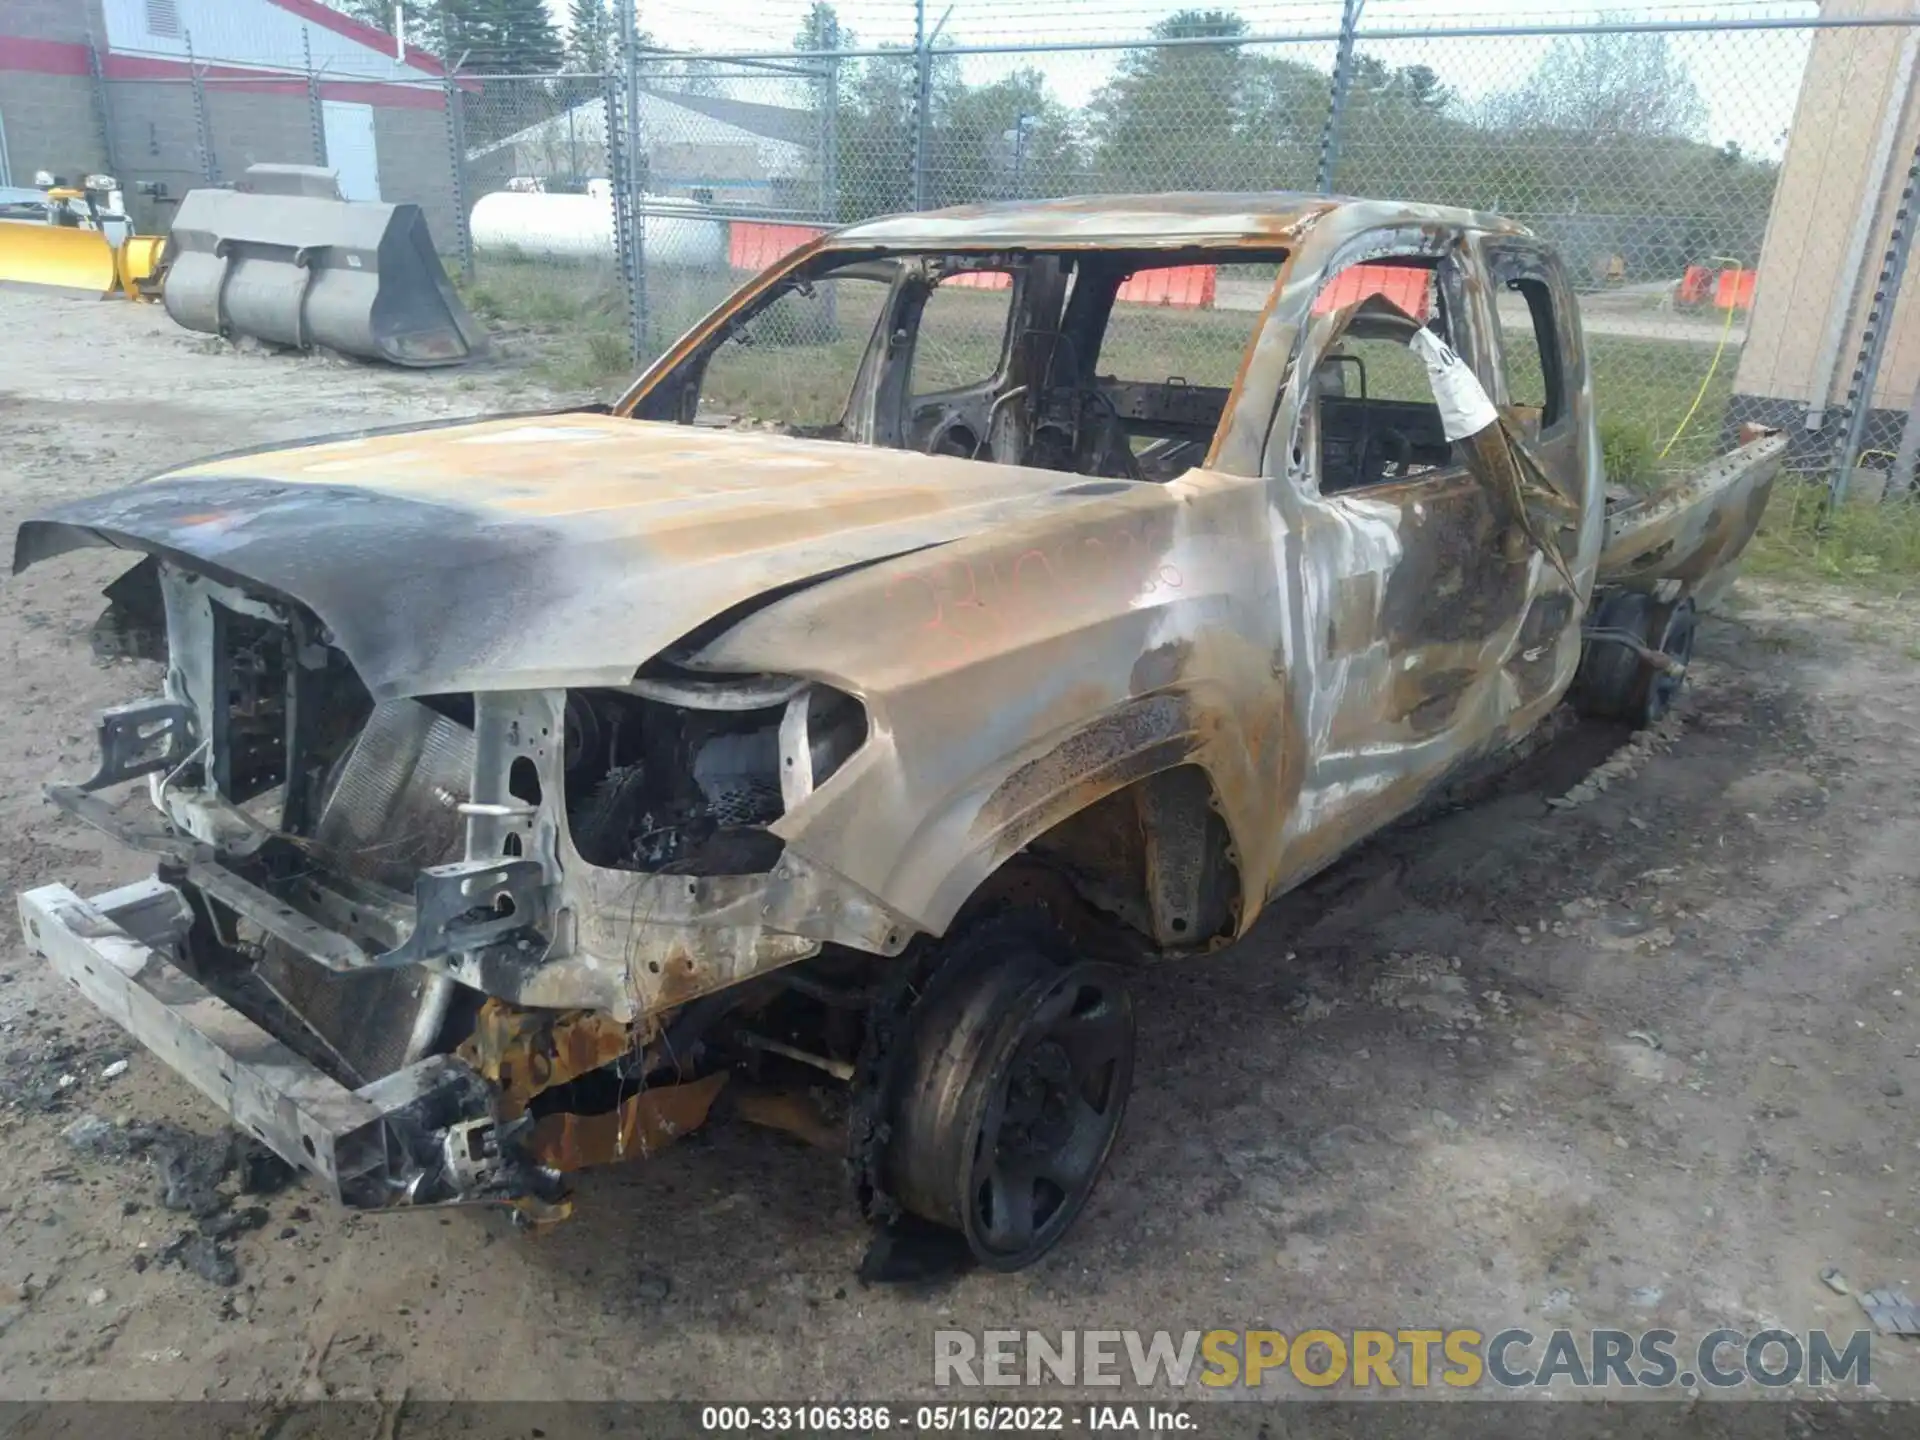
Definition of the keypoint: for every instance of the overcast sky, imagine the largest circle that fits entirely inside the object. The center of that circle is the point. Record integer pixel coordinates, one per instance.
(1749, 81)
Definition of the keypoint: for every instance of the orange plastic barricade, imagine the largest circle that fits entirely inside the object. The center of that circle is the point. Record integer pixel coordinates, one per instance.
(1407, 287)
(754, 244)
(1693, 286)
(1734, 289)
(1185, 287)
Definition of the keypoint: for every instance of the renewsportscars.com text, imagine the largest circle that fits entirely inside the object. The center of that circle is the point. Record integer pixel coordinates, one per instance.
(1510, 1359)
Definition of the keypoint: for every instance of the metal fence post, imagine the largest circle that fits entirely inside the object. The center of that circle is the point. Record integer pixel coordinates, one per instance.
(633, 184)
(202, 128)
(625, 239)
(1337, 101)
(1873, 336)
(1853, 265)
(1900, 482)
(922, 95)
(103, 105)
(829, 95)
(457, 164)
(639, 309)
(316, 116)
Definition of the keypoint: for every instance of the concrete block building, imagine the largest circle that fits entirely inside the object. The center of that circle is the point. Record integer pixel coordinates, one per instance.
(108, 85)
(1850, 151)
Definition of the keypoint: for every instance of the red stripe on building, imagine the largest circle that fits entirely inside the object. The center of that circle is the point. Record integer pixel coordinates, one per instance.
(63, 57)
(42, 57)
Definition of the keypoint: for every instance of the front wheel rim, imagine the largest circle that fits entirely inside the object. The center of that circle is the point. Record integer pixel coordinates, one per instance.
(1049, 1117)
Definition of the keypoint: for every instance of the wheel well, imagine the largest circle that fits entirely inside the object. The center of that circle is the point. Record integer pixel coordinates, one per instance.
(1154, 855)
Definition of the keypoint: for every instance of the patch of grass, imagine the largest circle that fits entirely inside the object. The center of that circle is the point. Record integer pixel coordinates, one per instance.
(596, 360)
(546, 293)
(1627, 453)
(1872, 546)
(570, 319)
(1649, 386)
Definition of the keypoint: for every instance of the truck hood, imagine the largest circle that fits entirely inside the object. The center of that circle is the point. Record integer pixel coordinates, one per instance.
(562, 549)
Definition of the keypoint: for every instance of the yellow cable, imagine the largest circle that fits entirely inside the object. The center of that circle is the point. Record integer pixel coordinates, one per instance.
(1706, 380)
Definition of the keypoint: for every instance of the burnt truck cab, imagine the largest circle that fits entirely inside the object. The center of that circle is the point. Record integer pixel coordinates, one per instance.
(973, 604)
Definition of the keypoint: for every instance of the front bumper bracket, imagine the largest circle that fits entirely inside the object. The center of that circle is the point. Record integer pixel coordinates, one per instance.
(425, 1135)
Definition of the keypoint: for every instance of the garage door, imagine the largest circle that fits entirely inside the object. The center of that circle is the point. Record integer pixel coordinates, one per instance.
(350, 148)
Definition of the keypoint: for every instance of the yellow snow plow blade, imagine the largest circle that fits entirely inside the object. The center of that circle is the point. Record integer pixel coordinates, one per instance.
(62, 255)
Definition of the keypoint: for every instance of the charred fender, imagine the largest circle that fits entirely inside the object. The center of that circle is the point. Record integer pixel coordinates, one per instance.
(1010, 685)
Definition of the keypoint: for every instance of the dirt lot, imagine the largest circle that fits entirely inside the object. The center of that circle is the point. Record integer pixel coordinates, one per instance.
(1646, 1059)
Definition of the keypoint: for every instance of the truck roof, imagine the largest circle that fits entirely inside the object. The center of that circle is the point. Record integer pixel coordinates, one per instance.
(1252, 218)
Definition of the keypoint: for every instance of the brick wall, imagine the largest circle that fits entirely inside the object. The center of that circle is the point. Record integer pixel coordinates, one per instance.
(74, 21)
(415, 166)
(155, 138)
(251, 128)
(51, 125)
(50, 117)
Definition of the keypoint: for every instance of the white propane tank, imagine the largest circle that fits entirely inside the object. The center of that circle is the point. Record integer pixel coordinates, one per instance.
(580, 227)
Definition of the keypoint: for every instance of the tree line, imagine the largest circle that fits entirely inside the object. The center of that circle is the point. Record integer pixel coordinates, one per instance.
(1601, 146)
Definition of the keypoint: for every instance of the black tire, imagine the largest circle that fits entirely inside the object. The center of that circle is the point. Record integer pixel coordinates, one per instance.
(1671, 633)
(1614, 682)
(1011, 1093)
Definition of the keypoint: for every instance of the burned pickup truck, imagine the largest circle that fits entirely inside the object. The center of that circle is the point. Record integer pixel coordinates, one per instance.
(975, 604)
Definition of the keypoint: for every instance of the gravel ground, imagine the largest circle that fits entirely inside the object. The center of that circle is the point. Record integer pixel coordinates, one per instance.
(1645, 1060)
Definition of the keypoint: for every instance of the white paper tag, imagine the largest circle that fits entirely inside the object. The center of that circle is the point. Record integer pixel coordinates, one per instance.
(1464, 407)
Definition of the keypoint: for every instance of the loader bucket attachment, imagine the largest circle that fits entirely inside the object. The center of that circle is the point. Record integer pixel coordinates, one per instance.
(358, 277)
(61, 255)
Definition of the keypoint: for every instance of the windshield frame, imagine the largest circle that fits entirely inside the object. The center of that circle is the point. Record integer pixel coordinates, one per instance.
(669, 389)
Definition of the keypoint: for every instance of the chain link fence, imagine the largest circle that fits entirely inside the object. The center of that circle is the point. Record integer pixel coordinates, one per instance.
(1704, 181)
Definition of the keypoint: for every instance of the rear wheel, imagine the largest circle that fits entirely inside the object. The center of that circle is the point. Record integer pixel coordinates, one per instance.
(1010, 1098)
(1615, 681)
(1671, 631)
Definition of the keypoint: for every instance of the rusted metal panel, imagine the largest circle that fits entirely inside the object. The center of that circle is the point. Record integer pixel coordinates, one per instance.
(640, 1127)
(525, 1052)
(1693, 530)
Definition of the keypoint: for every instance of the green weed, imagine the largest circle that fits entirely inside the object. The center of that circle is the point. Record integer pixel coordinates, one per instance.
(1874, 546)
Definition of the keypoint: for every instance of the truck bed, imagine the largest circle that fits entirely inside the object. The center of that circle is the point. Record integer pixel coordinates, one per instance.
(1693, 529)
